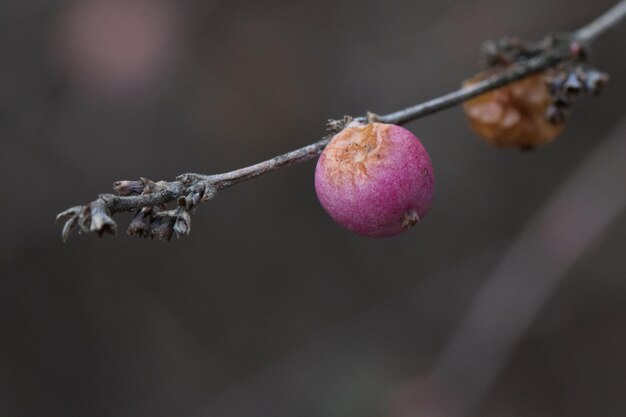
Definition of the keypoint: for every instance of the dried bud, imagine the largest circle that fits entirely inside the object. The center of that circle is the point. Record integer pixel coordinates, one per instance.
(161, 228)
(69, 227)
(193, 198)
(595, 80)
(182, 225)
(150, 186)
(572, 84)
(505, 51)
(127, 188)
(556, 115)
(71, 212)
(140, 225)
(562, 101)
(512, 115)
(489, 50)
(101, 221)
(337, 126)
(569, 81)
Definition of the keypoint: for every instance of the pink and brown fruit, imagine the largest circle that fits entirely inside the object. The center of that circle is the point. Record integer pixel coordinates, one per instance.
(375, 180)
(513, 115)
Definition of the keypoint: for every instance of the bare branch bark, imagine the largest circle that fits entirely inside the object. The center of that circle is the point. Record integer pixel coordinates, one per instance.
(190, 189)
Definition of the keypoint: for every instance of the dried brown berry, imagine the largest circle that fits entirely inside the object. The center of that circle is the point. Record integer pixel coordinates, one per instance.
(513, 115)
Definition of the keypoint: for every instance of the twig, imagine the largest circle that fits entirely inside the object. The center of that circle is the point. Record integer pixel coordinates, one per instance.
(603, 23)
(190, 189)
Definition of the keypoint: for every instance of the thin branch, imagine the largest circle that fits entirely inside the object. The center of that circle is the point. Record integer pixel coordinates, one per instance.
(190, 189)
(608, 20)
(548, 59)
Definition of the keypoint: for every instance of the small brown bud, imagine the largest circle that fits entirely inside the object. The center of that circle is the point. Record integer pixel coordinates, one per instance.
(126, 188)
(595, 81)
(161, 228)
(140, 225)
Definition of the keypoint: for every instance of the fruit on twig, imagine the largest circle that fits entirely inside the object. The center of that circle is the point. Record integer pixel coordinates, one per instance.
(375, 179)
(515, 114)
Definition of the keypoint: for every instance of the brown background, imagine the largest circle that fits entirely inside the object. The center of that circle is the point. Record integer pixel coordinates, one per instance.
(268, 308)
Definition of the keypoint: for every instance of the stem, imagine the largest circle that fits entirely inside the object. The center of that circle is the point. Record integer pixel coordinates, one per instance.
(514, 73)
(400, 117)
(550, 58)
(228, 179)
(608, 20)
(190, 189)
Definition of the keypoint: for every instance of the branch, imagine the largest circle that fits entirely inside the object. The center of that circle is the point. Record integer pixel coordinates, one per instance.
(189, 190)
(606, 21)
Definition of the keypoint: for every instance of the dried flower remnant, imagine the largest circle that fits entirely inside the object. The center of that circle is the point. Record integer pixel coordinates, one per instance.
(568, 83)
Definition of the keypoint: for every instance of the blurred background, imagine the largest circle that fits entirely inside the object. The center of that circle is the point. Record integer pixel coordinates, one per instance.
(268, 308)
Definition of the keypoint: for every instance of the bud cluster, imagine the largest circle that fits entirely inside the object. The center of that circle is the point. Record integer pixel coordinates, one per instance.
(507, 51)
(94, 217)
(567, 83)
(156, 223)
(533, 110)
(153, 221)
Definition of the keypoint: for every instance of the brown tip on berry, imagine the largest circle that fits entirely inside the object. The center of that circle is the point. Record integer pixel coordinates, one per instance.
(410, 219)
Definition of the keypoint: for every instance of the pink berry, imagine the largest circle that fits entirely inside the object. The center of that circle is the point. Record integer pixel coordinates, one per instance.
(375, 179)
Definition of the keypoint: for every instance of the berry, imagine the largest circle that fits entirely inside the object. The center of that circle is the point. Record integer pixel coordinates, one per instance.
(375, 180)
(513, 115)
